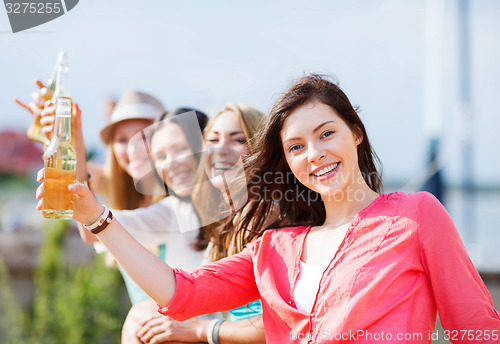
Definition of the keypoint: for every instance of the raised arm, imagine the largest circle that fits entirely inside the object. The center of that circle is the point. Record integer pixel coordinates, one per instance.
(153, 275)
(37, 102)
(82, 174)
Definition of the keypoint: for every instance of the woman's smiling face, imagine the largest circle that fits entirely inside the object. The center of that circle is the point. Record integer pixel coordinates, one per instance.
(129, 159)
(174, 159)
(320, 149)
(226, 145)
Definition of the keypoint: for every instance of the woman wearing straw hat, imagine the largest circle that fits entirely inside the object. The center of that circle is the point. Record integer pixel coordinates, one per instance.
(134, 112)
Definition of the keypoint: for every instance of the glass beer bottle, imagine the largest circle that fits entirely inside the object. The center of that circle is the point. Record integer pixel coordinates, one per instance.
(60, 166)
(35, 132)
(61, 89)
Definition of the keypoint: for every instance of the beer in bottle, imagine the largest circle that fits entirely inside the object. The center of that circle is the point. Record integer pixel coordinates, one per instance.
(60, 165)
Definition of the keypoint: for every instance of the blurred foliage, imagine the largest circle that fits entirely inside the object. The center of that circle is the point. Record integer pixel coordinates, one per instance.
(15, 182)
(72, 304)
(11, 316)
(91, 153)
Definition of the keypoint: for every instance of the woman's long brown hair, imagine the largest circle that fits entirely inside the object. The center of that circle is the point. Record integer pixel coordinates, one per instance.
(271, 181)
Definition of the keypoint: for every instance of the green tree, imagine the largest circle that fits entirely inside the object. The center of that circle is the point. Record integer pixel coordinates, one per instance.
(11, 315)
(71, 304)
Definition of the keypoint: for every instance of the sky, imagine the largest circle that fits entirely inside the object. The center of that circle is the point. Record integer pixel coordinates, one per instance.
(207, 53)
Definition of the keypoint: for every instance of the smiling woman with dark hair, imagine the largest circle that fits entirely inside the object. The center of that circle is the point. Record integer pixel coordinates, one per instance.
(351, 265)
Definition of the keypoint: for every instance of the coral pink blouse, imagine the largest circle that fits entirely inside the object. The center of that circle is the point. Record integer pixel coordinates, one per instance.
(401, 261)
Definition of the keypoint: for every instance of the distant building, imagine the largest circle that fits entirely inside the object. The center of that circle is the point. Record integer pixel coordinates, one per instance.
(18, 154)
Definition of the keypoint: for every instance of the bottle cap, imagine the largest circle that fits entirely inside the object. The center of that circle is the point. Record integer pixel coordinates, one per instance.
(63, 58)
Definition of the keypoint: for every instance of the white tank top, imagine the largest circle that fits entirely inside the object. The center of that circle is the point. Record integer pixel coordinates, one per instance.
(307, 284)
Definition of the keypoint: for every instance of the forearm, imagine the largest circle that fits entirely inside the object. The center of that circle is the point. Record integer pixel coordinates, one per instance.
(81, 152)
(214, 287)
(153, 275)
(82, 173)
(86, 236)
(249, 331)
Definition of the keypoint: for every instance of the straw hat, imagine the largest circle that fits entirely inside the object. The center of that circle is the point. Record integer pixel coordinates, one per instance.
(132, 105)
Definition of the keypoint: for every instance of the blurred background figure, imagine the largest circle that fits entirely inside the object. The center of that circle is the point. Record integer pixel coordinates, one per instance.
(96, 157)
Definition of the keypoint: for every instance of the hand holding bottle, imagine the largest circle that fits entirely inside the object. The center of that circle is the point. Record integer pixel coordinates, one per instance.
(35, 107)
(60, 165)
(151, 274)
(47, 122)
(52, 91)
(37, 102)
(86, 208)
(48, 118)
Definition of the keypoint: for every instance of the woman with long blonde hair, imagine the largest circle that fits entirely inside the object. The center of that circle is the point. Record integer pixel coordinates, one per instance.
(218, 186)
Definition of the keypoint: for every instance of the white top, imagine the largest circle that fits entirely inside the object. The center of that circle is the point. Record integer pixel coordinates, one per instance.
(307, 285)
(170, 221)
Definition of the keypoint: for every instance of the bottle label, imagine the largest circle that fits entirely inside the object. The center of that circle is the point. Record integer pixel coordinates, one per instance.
(63, 108)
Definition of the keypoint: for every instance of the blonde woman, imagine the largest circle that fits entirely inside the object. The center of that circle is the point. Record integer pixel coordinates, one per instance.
(220, 184)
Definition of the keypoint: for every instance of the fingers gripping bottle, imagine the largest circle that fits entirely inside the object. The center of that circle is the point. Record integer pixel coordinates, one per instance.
(60, 166)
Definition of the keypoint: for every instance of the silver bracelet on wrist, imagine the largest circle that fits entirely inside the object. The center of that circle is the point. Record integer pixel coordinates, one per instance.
(210, 331)
(213, 331)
